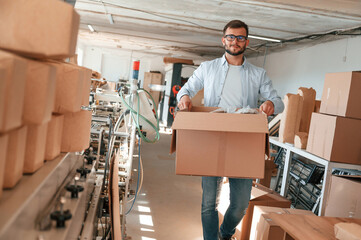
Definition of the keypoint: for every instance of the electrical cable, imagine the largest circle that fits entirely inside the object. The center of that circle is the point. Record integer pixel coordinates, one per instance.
(313, 37)
(141, 179)
(156, 128)
(136, 191)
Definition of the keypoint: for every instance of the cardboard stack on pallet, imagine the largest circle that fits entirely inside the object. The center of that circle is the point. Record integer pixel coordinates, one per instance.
(35, 84)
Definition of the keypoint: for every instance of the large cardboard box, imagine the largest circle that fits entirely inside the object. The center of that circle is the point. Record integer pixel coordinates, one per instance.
(337, 139)
(220, 144)
(76, 131)
(15, 156)
(35, 147)
(69, 85)
(53, 137)
(39, 92)
(12, 88)
(260, 196)
(39, 29)
(3, 148)
(341, 94)
(343, 199)
(264, 228)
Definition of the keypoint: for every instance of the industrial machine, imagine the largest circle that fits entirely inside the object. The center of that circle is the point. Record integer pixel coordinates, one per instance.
(87, 195)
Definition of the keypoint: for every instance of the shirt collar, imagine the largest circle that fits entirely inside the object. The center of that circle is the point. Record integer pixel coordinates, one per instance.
(224, 61)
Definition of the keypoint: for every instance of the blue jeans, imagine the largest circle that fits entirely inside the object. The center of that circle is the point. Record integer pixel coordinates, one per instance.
(240, 194)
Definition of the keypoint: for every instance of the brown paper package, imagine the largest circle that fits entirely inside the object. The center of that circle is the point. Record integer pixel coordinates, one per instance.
(291, 117)
(76, 131)
(301, 140)
(35, 147)
(39, 92)
(39, 29)
(309, 97)
(53, 137)
(69, 83)
(12, 89)
(15, 157)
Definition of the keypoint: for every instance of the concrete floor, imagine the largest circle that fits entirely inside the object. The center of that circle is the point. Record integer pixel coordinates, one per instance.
(169, 205)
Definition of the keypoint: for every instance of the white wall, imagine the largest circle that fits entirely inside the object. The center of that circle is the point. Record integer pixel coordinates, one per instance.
(307, 66)
(116, 64)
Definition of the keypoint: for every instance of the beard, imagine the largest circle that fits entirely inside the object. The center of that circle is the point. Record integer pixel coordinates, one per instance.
(241, 51)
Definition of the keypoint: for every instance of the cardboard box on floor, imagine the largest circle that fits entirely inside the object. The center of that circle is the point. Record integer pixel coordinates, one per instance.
(35, 147)
(220, 144)
(337, 139)
(69, 83)
(263, 228)
(39, 92)
(54, 136)
(15, 156)
(341, 94)
(343, 199)
(39, 29)
(12, 89)
(3, 148)
(76, 131)
(260, 196)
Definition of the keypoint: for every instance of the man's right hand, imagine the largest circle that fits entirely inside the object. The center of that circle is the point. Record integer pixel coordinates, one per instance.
(185, 103)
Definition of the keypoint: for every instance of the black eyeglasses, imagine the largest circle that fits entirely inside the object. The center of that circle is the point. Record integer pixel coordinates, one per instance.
(231, 37)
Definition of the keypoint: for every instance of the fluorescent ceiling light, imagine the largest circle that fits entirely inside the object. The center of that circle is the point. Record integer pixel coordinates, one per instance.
(91, 28)
(110, 17)
(264, 38)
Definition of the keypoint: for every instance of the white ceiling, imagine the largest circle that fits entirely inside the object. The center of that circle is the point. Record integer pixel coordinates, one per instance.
(193, 28)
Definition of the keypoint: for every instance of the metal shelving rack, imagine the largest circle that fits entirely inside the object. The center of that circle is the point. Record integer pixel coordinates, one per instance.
(329, 166)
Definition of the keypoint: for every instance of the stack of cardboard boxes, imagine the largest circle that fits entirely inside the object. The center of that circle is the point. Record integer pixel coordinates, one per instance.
(40, 94)
(335, 132)
(335, 135)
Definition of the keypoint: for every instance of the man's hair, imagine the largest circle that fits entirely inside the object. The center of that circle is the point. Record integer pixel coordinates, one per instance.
(235, 24)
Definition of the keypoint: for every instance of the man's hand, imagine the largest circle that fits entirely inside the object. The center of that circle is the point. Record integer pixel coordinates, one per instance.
(267, 107)
(185, 103)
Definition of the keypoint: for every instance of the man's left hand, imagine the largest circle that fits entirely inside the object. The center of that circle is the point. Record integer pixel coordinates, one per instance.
(267, 107)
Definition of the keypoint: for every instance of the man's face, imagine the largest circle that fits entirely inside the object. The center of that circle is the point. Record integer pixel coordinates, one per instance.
(235, 47)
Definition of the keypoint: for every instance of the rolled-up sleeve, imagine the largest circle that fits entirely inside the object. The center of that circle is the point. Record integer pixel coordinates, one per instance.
(268, 92)
(194, 84)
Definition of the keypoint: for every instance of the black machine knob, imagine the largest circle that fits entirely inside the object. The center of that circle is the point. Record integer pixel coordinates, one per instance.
(61, 216)
(74, 189)
(89, 159)
(83, 171)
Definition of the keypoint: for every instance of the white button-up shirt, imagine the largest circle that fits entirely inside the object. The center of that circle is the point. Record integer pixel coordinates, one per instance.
(211, 76)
